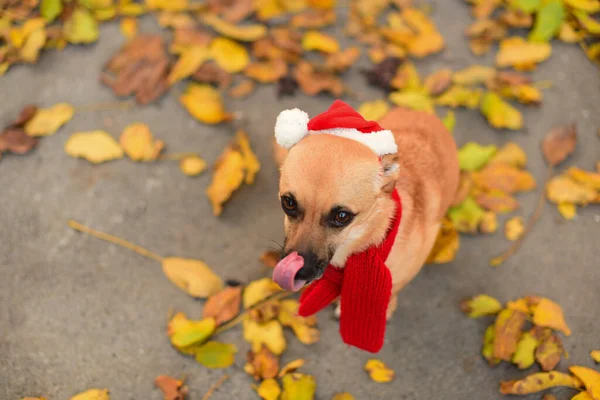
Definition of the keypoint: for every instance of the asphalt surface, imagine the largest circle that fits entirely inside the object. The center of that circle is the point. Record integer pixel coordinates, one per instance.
(76, 312)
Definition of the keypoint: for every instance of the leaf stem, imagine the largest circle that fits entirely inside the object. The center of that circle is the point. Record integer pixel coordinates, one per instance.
(535, 216)
(215, 387)
(114, 240)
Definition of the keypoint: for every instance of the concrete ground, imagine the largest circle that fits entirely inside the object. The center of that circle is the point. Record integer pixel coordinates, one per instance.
(77, 312)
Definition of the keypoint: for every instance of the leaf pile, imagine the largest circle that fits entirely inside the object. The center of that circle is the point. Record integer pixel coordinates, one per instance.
(570, 21)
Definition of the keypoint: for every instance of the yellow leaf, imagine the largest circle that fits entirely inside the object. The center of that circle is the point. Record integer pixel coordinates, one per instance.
(513, 229)
(379, 372)
(204, 103)
(18, 35)
(175, 20)
(499, 113)
(343, 396)
(567, 210)
(47, 121)
(480, 306)
(590, 6)
(245, 33)
(189, 61)
(129, 27)
(251, 163)
(227, 178)
(511, 154)
(407, 77)
(269, 334)
(582, 396)
(192, 276)
(549, 352)
(268, 389)
(446, 244)
(322, 4)
(292, 366)
(138, 143)
(373, 110)
(489, 223)
(568, 34)
(258, 290)
(590, 379)
(487, 351)
(192, 165)
(507, 327)
(105, 14)
(466, 216)
(229, 55)
(81, 27)
(417, 20)
(589, 179)
(503, 177)
(515, 51)
(524, 355)
(520, 304)
(32, 46)
(415, 100)
(563, 189)
(549, 314)
(185, 333)
(297, 386)
(538, 382)
(449, 121)
(167, 5)
(460, 96)
(303, 327)
(267, 9)
(426, 44)
(95, 146)
(128, 9)
(266, 71)
(438, 82)
(595, 354)
(92, 394)
(216, 355)
(474, 75)
(315, 40)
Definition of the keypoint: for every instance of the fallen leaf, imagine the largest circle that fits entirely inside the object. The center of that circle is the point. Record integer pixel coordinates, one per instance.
(224, 305)
(216, 355)
(415, 100)
(204, 103)
(499, 113)
(590, 6)
(511, 154)
(473, 75)
(318, 41)
(539, 381)
(292, 366)
(590, 379)
(265, 312)
(16, 141)
(548, 21)
(192, 165)
(95, 146)
(373, 110)
(46, 121)
(313, 81)
(245, 33)
(167, 5)
(487, 351)
(526, 6)
(563, 189)
(139, 144)
(258, 290)
(266, 71)
(242, 89)
(567, 210)
(595, 354)
(50, 9)
(548, 352)
(588, 23)
(173, 389)
(185, 333)
(313, 19)
(503, 177)
(81, 27)
(549, 314)
(407, 77)
(480, 306)
(129, 27)
(514, 228)
(189, 36)
(343, 396)
(229, 55)
(286, 86)
(210, 72)
(33, 44)
(426, 44)
(341, 61)
(446, 244)
(270, 258)
(92, 394)
(268, 389)
(228, 176)
(379, 372)
(524, 356)
(262, 364)
(473, 156)
(251, 163)
(383, 73)
(189, 61)
(167, 19)
(489, 223)
(24, 116)
(515, 51)
(587, 178)
(192, 276)
(460, 96)
(438, 82)
(449, 121)
(303, 327)
(269, 334)
(508, 327)
(568, 34)
(466, 216)
(497, 201)
(582, 396)
(297, 386)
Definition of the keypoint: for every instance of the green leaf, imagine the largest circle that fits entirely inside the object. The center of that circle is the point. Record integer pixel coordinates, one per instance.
(548, 21)
(473, 156)
(527, 6)
(81, 27)
(50, 9)
(480, 305)
(524, 356)
(192, 333)
(216, 354)
(466, 216)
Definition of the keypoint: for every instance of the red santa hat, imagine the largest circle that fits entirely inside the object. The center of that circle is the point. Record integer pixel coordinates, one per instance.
(340, 120)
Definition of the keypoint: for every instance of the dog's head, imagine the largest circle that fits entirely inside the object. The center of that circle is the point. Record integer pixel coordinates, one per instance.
(334, 193)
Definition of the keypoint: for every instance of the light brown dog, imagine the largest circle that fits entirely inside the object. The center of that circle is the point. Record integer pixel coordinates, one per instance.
(336, 178)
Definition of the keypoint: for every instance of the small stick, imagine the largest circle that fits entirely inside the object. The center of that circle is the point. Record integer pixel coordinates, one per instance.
(215, 387)
(537, 213)
(115, 240)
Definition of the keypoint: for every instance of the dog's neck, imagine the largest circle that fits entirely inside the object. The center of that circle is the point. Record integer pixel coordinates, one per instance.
(380, 217)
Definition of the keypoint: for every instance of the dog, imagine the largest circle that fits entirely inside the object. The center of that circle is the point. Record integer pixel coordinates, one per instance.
(343, 192)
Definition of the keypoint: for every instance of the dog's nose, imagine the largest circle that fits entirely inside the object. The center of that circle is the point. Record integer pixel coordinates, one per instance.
(313, 267)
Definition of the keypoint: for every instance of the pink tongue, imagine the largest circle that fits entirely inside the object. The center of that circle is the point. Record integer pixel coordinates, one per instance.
(286, 270)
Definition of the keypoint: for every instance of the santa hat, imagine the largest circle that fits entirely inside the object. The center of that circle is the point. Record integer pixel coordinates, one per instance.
(340, 120)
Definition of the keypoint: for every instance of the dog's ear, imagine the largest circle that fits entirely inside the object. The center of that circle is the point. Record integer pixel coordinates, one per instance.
(389, 164)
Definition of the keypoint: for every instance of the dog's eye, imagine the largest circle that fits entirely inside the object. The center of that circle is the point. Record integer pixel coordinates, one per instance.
(289, 205)
(342, 218)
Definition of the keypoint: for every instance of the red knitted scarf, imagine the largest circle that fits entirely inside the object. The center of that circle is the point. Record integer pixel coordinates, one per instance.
(365, 286)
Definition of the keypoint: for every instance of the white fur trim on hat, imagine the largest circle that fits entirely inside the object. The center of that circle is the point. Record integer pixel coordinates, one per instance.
(291, 126)
(381, 142)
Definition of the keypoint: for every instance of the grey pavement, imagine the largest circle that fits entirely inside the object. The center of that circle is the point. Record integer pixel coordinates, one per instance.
(76, 312)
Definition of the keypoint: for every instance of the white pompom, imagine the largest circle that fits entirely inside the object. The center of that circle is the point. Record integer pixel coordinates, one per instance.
(291, 127)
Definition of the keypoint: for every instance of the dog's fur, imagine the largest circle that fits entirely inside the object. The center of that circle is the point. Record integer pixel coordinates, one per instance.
(324, 171)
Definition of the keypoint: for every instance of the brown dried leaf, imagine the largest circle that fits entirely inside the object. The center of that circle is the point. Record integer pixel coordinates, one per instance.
(224, 305)
(438, 82)
(508, 327)
(548, 353)
(287, 39)
(383, 73)
(24, 116)
(173, 389)
(210, 72)
(559, 143)
(266, 71)
(313, 82)
(242, 89)
(262, 364)
(343, 60)
(270, 258)
(233, 11)
(16, 141)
